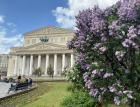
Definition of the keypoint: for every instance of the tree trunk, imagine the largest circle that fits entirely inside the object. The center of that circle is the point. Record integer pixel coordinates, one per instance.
(100, 105)
(135, 104)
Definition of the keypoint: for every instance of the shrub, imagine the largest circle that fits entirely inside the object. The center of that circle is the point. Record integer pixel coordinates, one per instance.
(50, 71)
(108, 46)
(37, 72)
(79, 99)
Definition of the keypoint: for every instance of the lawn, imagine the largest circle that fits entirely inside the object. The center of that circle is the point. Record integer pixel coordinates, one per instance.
(53, 97)
(55, 92)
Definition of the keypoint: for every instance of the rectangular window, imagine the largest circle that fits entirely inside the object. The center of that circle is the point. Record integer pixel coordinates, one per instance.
(33, 41)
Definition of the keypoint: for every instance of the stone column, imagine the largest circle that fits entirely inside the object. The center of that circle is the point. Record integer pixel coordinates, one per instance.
(63, 62)
(15, 67)
(47, 63)
(23, 64)
(72, 60)
(39, 61)
(55, 64)
(31, 65)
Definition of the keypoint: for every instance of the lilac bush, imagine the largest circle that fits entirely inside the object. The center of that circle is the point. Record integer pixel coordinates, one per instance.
(108, 46)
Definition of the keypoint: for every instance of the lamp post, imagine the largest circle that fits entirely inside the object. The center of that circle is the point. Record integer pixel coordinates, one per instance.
(44, 39)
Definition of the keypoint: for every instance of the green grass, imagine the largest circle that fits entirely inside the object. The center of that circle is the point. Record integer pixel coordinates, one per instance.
(53, 97)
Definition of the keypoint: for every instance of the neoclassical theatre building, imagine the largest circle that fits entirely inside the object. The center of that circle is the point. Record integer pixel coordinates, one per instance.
(41, 48)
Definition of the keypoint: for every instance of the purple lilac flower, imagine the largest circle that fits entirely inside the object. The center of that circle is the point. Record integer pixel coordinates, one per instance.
(94, 73)
(88, 84)
(102, 50)
(127, 11)
(119, 55)
(77, 44)
(86, 77)
(129, 96)
(127, 43)
(80, 59)
(94, 92)
(139, 32)
(87, 66)
(108, 11)
(70, 44)
(120, 93)
(132, 32)
(128, 93)
(115, 25)
(106, 75)
(98, 23)
(97, 45)
(86, 17)
(117, 100)
(112, 89)
(103, 38)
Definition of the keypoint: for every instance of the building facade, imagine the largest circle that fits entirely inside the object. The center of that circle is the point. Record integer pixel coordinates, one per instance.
(42, 48)
(4, 64)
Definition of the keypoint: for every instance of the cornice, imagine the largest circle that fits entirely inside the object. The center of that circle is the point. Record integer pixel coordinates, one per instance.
(29, 52)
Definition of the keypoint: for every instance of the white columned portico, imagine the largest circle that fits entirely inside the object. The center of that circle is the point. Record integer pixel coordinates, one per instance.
(63, 62)
(15, 67)
(72, 60)
(39, 61)
(23, 64)
(47, 63)
(31, 65)
(55, 64)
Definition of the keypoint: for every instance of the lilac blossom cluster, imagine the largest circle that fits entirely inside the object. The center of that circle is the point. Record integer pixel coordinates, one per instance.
(127, 11)
(130, 40)
(119, 55)
(109, 42)
(97, 92)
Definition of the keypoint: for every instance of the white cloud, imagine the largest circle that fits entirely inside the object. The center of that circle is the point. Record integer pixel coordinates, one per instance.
(6, 42)
(1, 19)
(66, 16)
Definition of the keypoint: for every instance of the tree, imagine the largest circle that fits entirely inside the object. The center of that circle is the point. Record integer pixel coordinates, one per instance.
(50, 71)
(108, 46)
(37, 72)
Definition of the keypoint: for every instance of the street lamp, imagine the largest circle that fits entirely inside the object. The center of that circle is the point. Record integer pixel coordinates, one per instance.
(44, 39)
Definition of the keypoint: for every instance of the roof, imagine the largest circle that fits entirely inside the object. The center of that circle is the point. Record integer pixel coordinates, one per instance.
(48, 30)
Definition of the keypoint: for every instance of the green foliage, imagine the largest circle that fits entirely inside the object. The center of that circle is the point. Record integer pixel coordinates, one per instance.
(74, 75)
(50, 71)
(37, 72)
(79, 99)
(64, 73)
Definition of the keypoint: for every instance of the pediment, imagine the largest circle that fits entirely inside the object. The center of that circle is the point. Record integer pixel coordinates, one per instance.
(48, 30)
(48, 46)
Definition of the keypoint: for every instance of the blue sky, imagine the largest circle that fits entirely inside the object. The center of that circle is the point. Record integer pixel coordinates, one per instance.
(30, 14)
(20, 16)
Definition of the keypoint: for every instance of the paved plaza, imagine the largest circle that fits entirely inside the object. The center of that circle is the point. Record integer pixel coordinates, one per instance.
(4, 89)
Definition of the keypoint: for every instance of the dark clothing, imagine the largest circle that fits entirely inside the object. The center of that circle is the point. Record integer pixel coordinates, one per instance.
(30, 82)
